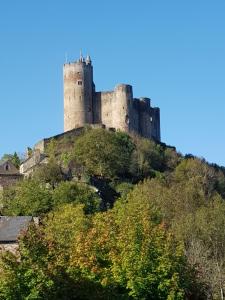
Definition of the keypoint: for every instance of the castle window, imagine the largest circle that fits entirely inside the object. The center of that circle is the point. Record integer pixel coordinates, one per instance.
(151, 119)
(79, 82)
(127, 121)
(7, 167)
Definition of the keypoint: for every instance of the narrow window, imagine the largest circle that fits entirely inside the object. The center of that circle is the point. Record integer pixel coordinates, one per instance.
(7, 167)
(127, 121)
(79, 82)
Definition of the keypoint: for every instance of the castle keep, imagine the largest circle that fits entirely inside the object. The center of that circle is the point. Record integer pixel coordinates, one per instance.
(114, 109)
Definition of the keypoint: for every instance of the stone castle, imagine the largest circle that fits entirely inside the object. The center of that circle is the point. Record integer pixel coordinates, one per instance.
(114, 109)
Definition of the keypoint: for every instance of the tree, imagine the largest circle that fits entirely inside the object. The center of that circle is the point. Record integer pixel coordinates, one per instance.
(130, 250)
(103, 153)
(27, 197)
(70, 192)
(50, 173)
(171, 158)
(42, 270)
(203, 234)
(147, 158)
(29, 276)
(194, 169)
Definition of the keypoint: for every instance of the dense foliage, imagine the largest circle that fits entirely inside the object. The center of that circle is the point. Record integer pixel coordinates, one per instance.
(140, 221)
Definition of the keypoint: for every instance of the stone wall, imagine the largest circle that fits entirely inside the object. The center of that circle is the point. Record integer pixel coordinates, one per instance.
(8, 180)
(11, 247)
(35, 159)
(119, 110)
(39, 152)
(106, 108)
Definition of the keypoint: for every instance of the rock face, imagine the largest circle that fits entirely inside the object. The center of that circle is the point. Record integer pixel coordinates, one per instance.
(114, 109)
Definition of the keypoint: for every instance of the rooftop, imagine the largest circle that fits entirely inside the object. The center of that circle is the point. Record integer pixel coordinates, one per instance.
(11, 227)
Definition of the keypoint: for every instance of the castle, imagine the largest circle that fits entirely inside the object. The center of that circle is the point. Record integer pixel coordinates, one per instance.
(114, 109)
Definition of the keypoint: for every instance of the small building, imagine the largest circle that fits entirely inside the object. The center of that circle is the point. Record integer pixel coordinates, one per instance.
(9, 174)
(11, 228)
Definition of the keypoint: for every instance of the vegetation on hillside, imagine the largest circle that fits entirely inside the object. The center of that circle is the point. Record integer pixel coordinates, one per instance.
(121, 218)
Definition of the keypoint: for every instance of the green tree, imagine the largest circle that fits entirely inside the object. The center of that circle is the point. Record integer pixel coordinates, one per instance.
(194, 169)
(70, 192)
(129, 249)
(27, 197)
(147, 158)
(203, 234)
(29, 276)
(103, 153)
(50, 173)
(171, 158)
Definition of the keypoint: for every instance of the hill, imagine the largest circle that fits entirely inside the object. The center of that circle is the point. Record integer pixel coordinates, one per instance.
(122, 217)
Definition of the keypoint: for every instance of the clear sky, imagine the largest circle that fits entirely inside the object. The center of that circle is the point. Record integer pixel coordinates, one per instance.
(171, 51)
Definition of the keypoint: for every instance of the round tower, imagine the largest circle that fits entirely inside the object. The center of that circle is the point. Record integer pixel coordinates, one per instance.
(122, 101)
(78, 93)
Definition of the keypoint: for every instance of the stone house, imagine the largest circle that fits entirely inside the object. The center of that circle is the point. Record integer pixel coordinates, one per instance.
(9, 174)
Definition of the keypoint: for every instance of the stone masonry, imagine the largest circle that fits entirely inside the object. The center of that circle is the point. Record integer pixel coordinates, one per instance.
(114, 109)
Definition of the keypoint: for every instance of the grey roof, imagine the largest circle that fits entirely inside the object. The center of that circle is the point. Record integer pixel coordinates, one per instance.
(11, 227)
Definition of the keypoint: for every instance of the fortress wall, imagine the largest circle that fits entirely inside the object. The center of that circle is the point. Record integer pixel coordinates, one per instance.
(40, 146)
(155, 115)
(88, 87)
(8, 180)
(97, 110)
(134, 116)
(107, 99)
(121, 108)
(145, 118)
(31, 161)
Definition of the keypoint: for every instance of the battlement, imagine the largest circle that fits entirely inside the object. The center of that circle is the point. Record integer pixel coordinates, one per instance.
(114, 109)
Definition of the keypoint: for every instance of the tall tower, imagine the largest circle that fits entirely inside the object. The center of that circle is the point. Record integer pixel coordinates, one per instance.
(121, 114)
(78, 93)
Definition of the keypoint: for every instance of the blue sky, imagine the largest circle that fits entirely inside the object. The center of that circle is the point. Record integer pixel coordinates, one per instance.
(171, 51)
